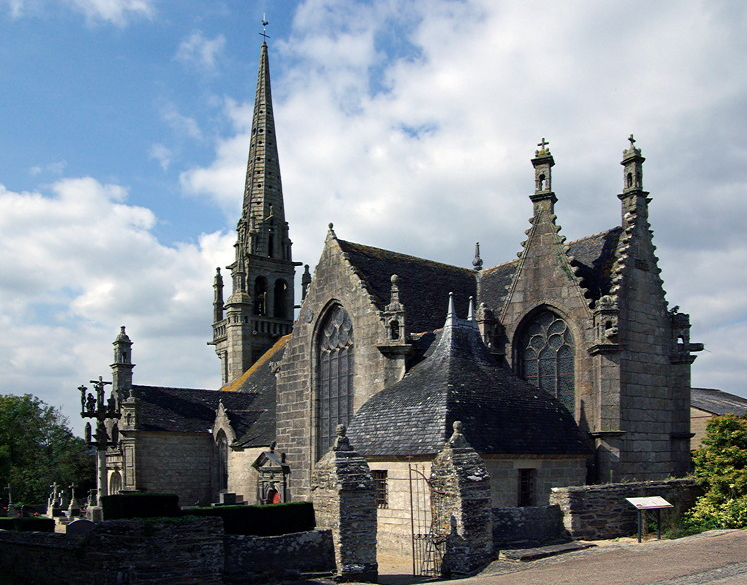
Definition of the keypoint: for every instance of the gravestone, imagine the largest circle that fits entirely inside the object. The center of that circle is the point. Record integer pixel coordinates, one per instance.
(80, 526)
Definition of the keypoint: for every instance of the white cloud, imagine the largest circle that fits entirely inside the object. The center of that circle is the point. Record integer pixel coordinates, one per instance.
(162, 154)
(180, 123)
(78, 262)
(117, 12)
(201, 52)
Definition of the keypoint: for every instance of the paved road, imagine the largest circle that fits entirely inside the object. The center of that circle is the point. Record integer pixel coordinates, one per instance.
(712, 557)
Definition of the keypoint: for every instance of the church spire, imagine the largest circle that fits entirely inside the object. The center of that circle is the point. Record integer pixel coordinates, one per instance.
(263, 213)
(260, 308)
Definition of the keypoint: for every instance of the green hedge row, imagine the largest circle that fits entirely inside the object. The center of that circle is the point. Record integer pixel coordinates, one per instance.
(34, 524)
(271, 520)
(124, 506)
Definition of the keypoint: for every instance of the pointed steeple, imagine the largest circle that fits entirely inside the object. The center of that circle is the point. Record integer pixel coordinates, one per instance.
(260, 307)
(263, 212)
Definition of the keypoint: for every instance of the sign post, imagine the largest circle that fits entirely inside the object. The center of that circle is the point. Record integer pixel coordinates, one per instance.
(649, 503)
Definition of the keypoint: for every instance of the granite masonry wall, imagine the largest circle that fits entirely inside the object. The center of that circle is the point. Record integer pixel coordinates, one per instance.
(600, 511)
(181, 550)
(527, 526)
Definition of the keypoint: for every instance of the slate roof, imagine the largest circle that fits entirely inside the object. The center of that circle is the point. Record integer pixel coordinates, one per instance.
(250, 403)
(424, 286)
(594, 255)
(717, 401)
(186, 410)
(502, 414)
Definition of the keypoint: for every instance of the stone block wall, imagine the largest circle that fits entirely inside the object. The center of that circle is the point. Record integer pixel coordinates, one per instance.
(148, 552)
(527, 526)
(549, 473)
(600, 511)
(120, 551)
(180, 463)
(268, 558)
(242, 477)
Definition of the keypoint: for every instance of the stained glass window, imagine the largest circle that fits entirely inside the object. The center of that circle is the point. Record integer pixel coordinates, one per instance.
(334, 378)
(546, 357)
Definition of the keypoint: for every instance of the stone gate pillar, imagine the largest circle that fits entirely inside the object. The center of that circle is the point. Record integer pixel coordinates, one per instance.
(342, 489)
(461, 505)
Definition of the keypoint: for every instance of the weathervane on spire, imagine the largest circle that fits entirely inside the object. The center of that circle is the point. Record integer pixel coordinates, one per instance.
(264, 28)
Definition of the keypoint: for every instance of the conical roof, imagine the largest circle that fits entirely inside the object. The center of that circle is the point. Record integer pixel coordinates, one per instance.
(460, 380)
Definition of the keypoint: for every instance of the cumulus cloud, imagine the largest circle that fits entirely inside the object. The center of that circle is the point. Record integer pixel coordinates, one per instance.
(162, 154)
(78, 262)
(198, 51)
(117, 12)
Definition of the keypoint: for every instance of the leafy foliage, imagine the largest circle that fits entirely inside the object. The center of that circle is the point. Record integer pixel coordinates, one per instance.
(721, 468)
(37, 448)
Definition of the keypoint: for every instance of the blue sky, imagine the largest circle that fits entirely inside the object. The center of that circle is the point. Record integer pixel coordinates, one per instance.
(410, 125)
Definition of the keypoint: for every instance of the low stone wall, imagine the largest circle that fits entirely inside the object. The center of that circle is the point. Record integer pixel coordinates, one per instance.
(165, 550)
(120, 551)
(595, 512)
(265, 558)
(529, 526)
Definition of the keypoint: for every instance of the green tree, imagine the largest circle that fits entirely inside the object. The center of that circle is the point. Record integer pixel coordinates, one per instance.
(38, 448)
(721, 468)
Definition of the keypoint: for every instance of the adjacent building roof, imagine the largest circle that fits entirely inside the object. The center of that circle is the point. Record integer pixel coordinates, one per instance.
(424, 285)
(250, 404)
(717, 402)
(460, 380)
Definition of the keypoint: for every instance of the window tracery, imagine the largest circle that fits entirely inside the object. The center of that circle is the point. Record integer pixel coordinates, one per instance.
(334, 376)
(546, 357)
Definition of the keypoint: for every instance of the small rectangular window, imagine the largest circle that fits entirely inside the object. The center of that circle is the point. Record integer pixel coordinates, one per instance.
(526, 487)
(380, 483)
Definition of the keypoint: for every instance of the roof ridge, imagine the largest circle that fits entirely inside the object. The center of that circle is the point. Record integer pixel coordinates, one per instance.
(409, 256)
(612, 229)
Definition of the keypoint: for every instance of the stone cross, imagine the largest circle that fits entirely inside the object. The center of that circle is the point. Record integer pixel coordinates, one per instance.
(543, 143)
(632, 141)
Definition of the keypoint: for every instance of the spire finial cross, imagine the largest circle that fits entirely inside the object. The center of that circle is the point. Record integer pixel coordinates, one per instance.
(543, 143)
(264, 28)
(632, 141)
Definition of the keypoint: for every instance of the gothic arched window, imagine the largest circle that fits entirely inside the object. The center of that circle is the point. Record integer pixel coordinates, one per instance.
(222, 442)
(260, 296)
(334, 376)
(546, 356)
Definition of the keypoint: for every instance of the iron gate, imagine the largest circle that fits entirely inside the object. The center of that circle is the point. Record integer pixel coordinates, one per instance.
(428, 544)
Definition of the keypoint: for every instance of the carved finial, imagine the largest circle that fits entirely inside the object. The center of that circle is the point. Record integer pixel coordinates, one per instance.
(273, 445)
(342, 443)
(471, 309)
(457, 438)
(331, 230)
(305, 281)
(451, 313)
(477, 262)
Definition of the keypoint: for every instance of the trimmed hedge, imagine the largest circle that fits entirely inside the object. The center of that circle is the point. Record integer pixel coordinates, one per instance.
(125, 506)
(269, 520)
(34, 524)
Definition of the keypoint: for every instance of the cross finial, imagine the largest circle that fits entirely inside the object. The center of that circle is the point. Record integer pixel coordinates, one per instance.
(264, 28)
(543, 143)
(632, 141)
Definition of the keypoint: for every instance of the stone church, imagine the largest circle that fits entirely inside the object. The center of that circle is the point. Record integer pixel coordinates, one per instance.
(565, 365)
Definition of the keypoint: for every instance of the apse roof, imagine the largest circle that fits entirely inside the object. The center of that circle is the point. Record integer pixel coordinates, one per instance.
(501, 413)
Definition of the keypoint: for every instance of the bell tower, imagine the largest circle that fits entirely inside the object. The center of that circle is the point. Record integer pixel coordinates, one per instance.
(260, 307)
